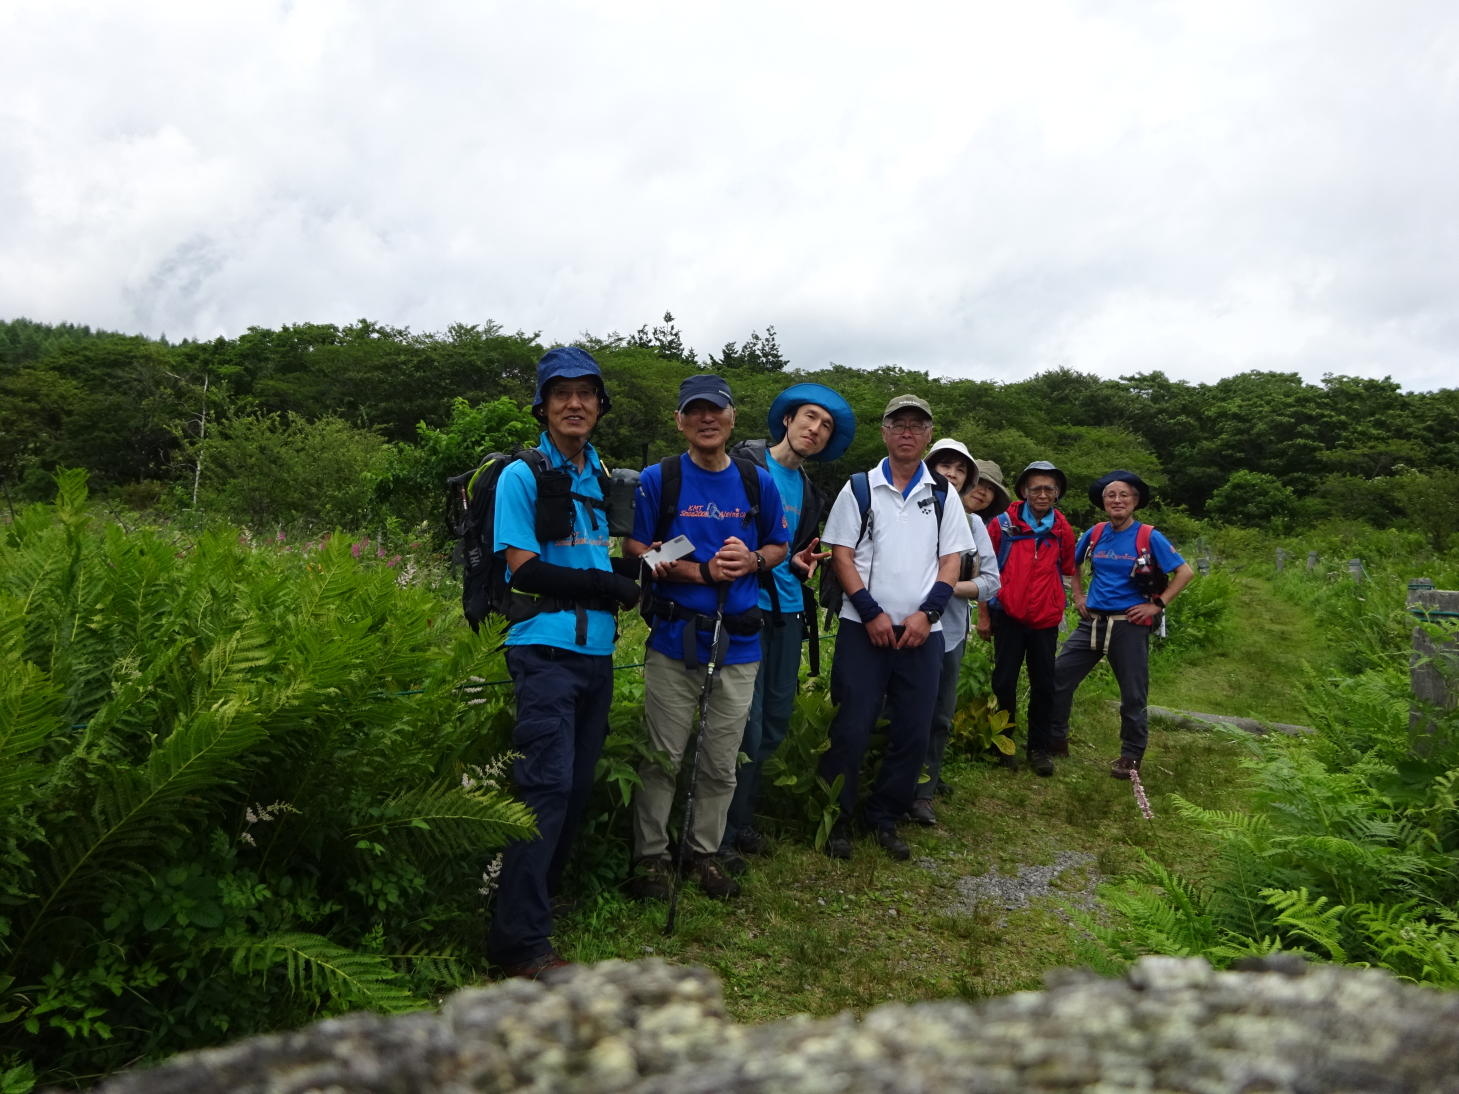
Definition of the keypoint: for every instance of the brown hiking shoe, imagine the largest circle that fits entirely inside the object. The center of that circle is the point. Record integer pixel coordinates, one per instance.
(1122, 767)
(531, 970)
(711, 877)
(651, 879)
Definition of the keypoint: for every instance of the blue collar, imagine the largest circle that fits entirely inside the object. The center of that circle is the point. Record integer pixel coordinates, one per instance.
(886, 473)
(556, 459)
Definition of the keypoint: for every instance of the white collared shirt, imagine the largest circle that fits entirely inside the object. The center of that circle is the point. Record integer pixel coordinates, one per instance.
(898, 556)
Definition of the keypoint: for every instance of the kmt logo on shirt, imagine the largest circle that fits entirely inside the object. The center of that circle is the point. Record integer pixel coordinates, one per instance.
(711, 511)
(925, 505)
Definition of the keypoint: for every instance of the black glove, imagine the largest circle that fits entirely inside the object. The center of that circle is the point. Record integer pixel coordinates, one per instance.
(615, 587)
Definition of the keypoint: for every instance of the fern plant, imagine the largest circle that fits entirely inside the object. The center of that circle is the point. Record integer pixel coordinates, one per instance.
(231, 788)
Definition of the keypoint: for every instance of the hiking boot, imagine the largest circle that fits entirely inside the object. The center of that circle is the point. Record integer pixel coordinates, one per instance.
(1059, 748)
(732, 862)
(921, 813)
(893, 844)
(711, 877)
(838, 844)
(651, 879)
(531, 970)
(751, 841)
(1041, 763)
(1122, 767)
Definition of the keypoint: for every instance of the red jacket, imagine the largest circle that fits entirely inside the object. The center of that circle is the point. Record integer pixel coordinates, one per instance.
(1031, 570)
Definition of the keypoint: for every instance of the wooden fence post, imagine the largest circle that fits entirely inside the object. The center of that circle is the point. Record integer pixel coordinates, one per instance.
(1434, 663)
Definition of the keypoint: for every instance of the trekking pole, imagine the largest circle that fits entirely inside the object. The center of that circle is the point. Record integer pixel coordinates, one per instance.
(692, 755)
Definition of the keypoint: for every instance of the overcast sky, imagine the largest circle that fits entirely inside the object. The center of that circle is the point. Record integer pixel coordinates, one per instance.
(971, 189)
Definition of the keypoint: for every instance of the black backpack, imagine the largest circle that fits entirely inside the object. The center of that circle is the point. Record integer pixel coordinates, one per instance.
(832, 595)
(471, 519)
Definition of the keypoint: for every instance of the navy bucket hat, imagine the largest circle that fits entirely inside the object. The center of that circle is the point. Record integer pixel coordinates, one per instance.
(843, 418)
(567, 363)
(1096, 488)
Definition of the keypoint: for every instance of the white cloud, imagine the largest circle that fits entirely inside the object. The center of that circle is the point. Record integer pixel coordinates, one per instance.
(976, 189)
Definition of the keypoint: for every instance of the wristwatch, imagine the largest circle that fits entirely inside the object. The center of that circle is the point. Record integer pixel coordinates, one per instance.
(759, 563)
(1159, 603)
(932, 615)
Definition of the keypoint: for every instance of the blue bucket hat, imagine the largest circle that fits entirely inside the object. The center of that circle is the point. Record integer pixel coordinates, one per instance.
(843, 418)
(567, 363)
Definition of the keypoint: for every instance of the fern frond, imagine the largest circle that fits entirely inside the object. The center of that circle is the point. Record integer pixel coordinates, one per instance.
(1310, 917)
(135, 809)
(324, 970)
(452, 820)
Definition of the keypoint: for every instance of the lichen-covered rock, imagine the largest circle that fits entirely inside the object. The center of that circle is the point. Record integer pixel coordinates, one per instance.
(1170, 1025)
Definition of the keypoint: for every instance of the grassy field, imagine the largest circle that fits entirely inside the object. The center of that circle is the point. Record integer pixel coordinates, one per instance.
(982, 907)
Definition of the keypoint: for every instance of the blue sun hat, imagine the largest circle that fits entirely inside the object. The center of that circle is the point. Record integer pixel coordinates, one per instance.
(566, 363)
(843, 418)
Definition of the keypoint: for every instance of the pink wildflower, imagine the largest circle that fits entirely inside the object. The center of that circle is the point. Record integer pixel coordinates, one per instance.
(1139, 790)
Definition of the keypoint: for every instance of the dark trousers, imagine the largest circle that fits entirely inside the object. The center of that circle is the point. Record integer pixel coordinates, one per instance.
(776, 686)
(1015, 645)
(1128, 648)
(863, 679)
(562, 721)
(943, 713)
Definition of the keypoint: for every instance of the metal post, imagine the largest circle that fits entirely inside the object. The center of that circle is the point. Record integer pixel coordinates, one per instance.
(1434, 663)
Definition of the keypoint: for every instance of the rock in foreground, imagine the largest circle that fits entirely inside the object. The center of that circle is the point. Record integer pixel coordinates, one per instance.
(1169, 1025)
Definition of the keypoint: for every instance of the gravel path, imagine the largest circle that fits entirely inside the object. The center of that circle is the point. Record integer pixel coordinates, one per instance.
(1029, 884)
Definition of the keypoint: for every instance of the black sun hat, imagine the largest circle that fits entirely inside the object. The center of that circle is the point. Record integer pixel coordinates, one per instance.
(1096, 488)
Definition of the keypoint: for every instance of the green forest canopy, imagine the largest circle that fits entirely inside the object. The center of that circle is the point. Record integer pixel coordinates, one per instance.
(134, 410)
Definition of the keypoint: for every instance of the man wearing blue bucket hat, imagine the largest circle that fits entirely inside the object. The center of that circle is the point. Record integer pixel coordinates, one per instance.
(806, 422)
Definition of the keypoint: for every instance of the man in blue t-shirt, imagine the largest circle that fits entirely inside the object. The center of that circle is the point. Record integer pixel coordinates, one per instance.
(736, 537)
(807, 422)
(1118, 614)
(560, 656)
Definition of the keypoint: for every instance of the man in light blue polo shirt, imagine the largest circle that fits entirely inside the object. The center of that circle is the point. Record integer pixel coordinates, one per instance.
(553, 531)
(807, 422)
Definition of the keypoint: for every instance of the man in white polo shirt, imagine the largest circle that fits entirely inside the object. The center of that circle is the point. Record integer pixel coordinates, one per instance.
(896, 559)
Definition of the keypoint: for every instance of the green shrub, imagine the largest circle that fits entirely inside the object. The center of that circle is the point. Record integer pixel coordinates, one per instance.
(240, 787)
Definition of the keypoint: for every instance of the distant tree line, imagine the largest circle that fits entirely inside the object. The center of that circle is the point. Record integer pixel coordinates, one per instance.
(353, 424)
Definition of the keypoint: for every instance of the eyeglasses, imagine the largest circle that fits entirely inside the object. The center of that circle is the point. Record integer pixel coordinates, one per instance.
(907, 425)
(1121, 496)
(1042, 490)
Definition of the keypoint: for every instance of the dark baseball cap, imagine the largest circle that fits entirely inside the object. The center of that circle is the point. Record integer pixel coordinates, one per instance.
(706, 386)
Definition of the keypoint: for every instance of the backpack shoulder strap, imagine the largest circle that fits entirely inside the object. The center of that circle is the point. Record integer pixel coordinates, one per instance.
(1142, 538)
(750, 478)
(861, 491)
(1005, 538)
(1094, 534)
(671, 478)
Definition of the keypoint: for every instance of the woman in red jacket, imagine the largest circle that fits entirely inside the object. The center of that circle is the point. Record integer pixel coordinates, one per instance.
(1035, 548)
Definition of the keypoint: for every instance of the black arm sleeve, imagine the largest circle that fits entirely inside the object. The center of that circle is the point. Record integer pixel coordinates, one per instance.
(536, 576)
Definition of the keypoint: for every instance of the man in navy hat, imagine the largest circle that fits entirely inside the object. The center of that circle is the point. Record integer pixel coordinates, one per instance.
(807, 422)
(730, 511)
(561, 657)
